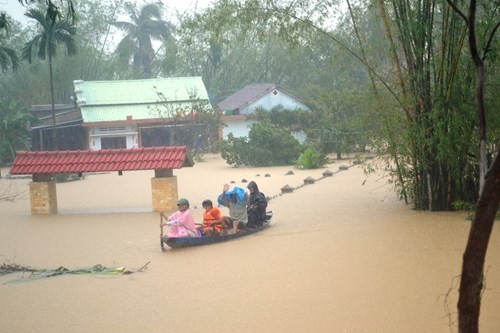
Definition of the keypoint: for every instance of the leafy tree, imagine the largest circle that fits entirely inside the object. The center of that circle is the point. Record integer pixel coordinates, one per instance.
(137, 44)
(53, 13)
(283, 118)
(194, 124)
(44, 45)
(434, 131)
(266, 145)
(95, 59)
(229, 53)
(14, 129)
(8, 56)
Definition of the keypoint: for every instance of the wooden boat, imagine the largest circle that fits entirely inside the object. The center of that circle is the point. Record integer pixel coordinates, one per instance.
(180, 242)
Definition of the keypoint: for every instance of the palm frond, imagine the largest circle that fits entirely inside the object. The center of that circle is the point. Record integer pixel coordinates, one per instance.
(28, 49)
(127, 26)
(4, 23)
(38, 16)
(8, 56)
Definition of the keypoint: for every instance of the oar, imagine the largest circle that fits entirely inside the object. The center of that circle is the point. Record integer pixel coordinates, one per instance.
(161, 233)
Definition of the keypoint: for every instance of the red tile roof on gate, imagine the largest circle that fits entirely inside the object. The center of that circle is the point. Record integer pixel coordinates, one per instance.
(75, 161)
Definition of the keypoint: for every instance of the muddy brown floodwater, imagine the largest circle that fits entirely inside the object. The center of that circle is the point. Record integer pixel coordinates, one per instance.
(340, 256)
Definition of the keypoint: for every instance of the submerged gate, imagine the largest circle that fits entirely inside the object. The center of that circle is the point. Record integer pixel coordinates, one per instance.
(43, 165)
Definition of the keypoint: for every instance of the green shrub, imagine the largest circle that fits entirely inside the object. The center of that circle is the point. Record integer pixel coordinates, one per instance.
(266, 145)
(311, 159)
(465, 206)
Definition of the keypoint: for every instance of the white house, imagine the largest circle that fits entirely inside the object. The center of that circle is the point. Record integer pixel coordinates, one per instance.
(238, 108)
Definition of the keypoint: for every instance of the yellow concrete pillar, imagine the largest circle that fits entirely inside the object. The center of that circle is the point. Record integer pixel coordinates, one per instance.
(43, 196)
(164, 193)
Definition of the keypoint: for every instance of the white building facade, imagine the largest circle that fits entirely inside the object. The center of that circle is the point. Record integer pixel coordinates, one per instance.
(238, 108)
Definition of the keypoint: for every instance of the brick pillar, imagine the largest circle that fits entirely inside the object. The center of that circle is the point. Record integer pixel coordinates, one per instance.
(164, 193)
(43, 197)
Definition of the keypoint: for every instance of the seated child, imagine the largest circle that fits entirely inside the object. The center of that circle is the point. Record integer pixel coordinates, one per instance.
(212, 219)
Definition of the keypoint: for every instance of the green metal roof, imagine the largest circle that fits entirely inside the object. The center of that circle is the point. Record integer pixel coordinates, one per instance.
(101, 101)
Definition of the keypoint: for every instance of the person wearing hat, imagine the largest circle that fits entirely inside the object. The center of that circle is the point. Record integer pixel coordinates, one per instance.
(212, 219)
(257, 204)
(181, 222)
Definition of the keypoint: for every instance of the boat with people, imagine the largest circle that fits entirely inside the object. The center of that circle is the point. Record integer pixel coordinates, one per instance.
(181, 242)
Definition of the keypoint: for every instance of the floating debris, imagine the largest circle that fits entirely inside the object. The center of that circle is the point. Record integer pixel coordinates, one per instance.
(244, 180)
(343, 167)
(257, 175)
(267, 175)
(232, 182)
(38, 273)
(12, 268)
(290, 172)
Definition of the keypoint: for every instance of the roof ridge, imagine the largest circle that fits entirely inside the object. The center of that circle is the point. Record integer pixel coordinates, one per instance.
(173, 78)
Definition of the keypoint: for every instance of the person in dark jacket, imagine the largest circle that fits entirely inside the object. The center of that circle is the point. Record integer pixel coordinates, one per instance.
(257, 204)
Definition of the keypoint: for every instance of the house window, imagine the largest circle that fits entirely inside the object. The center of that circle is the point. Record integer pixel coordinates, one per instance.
(112, 129)
(114, 143)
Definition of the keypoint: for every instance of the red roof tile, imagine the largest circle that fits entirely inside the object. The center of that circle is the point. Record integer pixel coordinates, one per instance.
(75, 161)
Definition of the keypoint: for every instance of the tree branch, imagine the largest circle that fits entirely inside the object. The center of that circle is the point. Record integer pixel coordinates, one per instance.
(459, 12)
(488, 45)
(319, 29)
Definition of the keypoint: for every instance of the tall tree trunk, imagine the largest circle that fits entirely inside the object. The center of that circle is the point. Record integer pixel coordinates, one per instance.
(478, 63)
(54, 133)
(471, 282)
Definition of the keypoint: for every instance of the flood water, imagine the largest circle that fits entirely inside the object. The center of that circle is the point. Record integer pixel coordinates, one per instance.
(341, 255)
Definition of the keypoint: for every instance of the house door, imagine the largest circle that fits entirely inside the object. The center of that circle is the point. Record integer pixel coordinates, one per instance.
(114, 143)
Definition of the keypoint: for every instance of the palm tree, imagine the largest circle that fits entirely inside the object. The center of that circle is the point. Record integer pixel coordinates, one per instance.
(54, 31)
(8, 57)
(145, 25)
(14, 129)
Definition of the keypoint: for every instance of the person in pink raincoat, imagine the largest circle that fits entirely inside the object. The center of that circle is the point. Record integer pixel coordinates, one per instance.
(181, 222)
